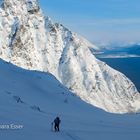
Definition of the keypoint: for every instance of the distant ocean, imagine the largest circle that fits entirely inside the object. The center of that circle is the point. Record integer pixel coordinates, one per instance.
(129, 66)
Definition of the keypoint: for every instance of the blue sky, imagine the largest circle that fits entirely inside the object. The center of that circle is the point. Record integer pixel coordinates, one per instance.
(100, 21)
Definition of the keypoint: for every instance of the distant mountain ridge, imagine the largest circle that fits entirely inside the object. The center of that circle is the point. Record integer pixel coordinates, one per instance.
(126, 51)
(30, 40)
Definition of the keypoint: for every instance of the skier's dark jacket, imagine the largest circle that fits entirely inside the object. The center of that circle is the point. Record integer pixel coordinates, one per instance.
(57, 121)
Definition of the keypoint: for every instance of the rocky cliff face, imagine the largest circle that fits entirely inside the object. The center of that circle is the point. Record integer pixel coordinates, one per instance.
(32, 41)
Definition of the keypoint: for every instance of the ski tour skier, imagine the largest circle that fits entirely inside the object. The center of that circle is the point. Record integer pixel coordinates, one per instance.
(56, 124)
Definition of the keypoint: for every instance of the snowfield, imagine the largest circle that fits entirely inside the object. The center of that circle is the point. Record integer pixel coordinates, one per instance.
(32, 99)
(32, 41)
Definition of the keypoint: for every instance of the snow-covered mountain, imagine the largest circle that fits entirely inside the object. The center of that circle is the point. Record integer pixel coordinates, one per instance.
(122, 51)
(30, 40)
(30, 100)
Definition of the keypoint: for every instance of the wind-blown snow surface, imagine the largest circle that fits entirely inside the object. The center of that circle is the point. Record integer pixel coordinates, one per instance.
(31, 41)
(33, 99)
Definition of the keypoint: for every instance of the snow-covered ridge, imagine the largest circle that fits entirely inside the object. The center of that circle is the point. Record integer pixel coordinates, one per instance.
(33, 99)
(32, 41)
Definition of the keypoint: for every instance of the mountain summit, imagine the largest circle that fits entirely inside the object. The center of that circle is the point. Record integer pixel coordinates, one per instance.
(32, 41)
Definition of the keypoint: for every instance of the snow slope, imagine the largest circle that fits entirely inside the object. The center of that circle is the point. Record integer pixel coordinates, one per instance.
(30, 40)
(42, 98)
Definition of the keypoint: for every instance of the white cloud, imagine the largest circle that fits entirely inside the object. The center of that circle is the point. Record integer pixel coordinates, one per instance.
(117, 21)
(85, 22)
